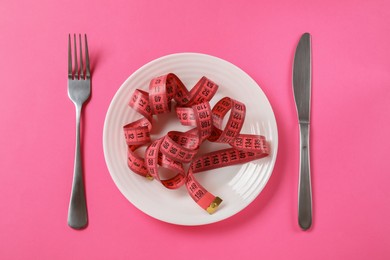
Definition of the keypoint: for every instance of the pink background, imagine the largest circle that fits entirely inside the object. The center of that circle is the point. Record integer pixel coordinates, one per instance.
(350, 126)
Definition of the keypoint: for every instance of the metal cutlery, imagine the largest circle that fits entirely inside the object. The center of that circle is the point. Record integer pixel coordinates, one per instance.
(79, 89)
(302, 95)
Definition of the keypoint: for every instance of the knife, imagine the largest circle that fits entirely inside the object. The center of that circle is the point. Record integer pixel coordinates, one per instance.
(302, 92)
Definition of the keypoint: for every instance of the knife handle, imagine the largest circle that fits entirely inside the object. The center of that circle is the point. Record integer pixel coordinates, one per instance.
(304, 188)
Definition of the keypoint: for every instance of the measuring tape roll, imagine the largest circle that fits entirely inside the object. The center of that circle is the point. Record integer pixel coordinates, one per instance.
(176, 149)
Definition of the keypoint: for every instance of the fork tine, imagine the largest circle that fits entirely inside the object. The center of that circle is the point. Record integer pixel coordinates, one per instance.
(81, 59)
(87, 69)
(76, 69)
(69, 58)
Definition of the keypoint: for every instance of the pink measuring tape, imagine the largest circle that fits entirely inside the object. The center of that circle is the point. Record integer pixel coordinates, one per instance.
(176, 148)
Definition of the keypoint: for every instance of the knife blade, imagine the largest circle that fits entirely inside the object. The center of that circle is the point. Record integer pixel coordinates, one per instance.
(302, 75)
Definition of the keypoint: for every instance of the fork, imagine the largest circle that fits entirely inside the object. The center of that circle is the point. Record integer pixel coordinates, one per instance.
(79, 89)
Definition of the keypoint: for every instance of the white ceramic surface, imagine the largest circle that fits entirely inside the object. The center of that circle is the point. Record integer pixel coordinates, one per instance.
(237, 185)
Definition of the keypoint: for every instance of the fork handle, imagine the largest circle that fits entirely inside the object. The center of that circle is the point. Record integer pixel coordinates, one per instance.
(77, 214)
(304, 189)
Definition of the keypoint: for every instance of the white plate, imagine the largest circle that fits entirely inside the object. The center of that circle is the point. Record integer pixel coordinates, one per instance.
(237, 185)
